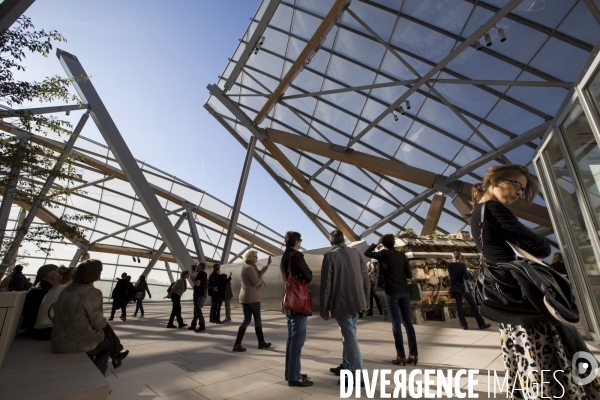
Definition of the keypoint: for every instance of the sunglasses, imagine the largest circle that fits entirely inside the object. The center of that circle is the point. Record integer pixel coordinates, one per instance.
(518, 187)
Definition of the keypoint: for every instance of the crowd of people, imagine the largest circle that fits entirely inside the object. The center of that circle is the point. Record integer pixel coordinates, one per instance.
(64, 306)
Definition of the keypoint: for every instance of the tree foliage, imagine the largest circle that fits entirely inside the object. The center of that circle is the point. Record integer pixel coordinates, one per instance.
(33, 163)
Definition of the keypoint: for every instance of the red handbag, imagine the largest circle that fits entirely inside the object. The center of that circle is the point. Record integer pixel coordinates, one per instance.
(296, 296)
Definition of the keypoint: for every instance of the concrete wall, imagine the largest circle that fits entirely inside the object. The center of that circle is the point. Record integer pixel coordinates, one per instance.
(274, 284)
(11, 307)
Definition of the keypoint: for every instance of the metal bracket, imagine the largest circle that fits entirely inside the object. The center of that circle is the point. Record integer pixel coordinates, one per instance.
(441, 185)
(341, 149)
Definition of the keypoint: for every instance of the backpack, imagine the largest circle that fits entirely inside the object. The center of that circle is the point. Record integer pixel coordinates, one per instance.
(170, 286)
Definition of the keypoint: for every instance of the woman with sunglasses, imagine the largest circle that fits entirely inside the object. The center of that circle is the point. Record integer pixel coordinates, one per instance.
(527, 350)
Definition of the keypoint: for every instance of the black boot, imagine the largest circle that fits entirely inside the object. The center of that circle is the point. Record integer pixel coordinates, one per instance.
(238, 341)
(261, 338)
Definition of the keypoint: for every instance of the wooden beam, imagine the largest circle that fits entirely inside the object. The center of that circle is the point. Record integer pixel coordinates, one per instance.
(309, 50)
(310, 190)
(396, 169)
(433, 215)
(380, 165)
(463, 206)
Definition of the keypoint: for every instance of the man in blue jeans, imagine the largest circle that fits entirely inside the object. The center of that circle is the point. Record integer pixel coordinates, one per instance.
(345, 291)
(459, 278)
(200, 294)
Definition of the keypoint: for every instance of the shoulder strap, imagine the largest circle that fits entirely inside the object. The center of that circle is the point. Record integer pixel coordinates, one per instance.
(481, 226)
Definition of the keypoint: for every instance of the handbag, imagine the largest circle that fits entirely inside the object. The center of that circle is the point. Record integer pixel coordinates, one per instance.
(296, 296)
(414, 291)
(138, 295)
(524, 291)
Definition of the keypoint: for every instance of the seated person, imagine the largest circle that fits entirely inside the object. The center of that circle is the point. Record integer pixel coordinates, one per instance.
(18, 281)
(43, 283)
(79, 323)
(43, 323)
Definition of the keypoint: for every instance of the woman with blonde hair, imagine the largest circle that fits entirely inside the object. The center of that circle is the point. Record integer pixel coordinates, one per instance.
(527, 350)
(250, 299)
(43, 323)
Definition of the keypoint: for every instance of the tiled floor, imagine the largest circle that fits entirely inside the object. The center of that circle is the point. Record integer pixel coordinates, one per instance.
(179, 364)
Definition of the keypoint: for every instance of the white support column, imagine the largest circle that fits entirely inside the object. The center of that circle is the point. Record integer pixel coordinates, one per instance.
(8, 197)
(124, 157)
(83, 248)
(163, 246)
(189, 210)
(239, 197)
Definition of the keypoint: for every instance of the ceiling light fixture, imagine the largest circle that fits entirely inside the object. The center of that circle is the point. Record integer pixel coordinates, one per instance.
(501, 34)
(488, 39)
(401, 110)
(477, 45)
(395, 117)
(407, 105)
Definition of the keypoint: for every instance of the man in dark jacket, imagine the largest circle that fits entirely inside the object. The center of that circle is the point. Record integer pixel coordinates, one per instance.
(459, 278)
(44, 279)
(345, 290)
(119, 296)
(199, 297)
(18, 282)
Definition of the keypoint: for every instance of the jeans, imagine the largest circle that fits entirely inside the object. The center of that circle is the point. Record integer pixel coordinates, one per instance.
(215, 308)
(251, 310)
(352, 358)
(198, 317)
(139, 306)
(176, 312)
(293, 349)
(377, 301)
(228, 308)
(398, 305)
(458, 295)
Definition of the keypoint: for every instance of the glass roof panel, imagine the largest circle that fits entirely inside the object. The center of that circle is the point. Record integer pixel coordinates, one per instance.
(319, 7)
(359, 48)
(467, 97)
(422, 41)
(335, 117)
(521, 42)
(560, 59)
(478, 65)
(266, 62)
(449, 15)
(350, 101)
(415, 157)
(441, 116)
(479, 16)
(304, 25)
(513, 118)
(380, 21)
(349, 73)
(382, 141)
(282, 19)
(580, 24)
(546, 12)
(434, 141)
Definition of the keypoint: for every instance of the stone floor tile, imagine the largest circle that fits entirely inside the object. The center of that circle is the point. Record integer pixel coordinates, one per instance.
(165, 387)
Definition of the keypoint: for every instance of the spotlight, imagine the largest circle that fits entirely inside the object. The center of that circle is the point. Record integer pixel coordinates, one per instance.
(138, 257)
(68, 112)
(488, 39)
(501, 34)
(401, 110)
(133, 256)
(395, 117)
(407, 105)
(477, 45)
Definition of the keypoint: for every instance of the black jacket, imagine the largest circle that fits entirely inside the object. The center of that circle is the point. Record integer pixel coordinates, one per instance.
(393, 266)
(18, 282)
(458, 273)
(501, 226)
(299, 267)
(32, 304)
(120, 290)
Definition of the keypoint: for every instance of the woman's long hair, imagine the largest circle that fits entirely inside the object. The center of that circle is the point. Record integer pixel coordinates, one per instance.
(557, 258)
(504, 172)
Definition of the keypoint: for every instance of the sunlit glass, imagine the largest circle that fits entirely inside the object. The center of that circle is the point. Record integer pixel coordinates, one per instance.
(518, 187)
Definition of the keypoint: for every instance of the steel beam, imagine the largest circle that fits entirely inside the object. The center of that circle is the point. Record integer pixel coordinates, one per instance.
(425, 78)
(407, 206)
(41, 197)
(593, 9)
(163, 247)
(284, 162)
(564, 85)
(41, 110)
(307, 53)
(510, 145)
(82, 247)
(351, 89)
(92, 183)
(189, 209)
(252, 42)
(463, 206)
(433, 215)
(169, 272)
(20, 218)
(11, 10)
(239, 197)
(240, 254)
(123, 155)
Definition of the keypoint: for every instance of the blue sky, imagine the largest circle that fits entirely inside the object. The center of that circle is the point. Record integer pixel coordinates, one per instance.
(150, 61)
